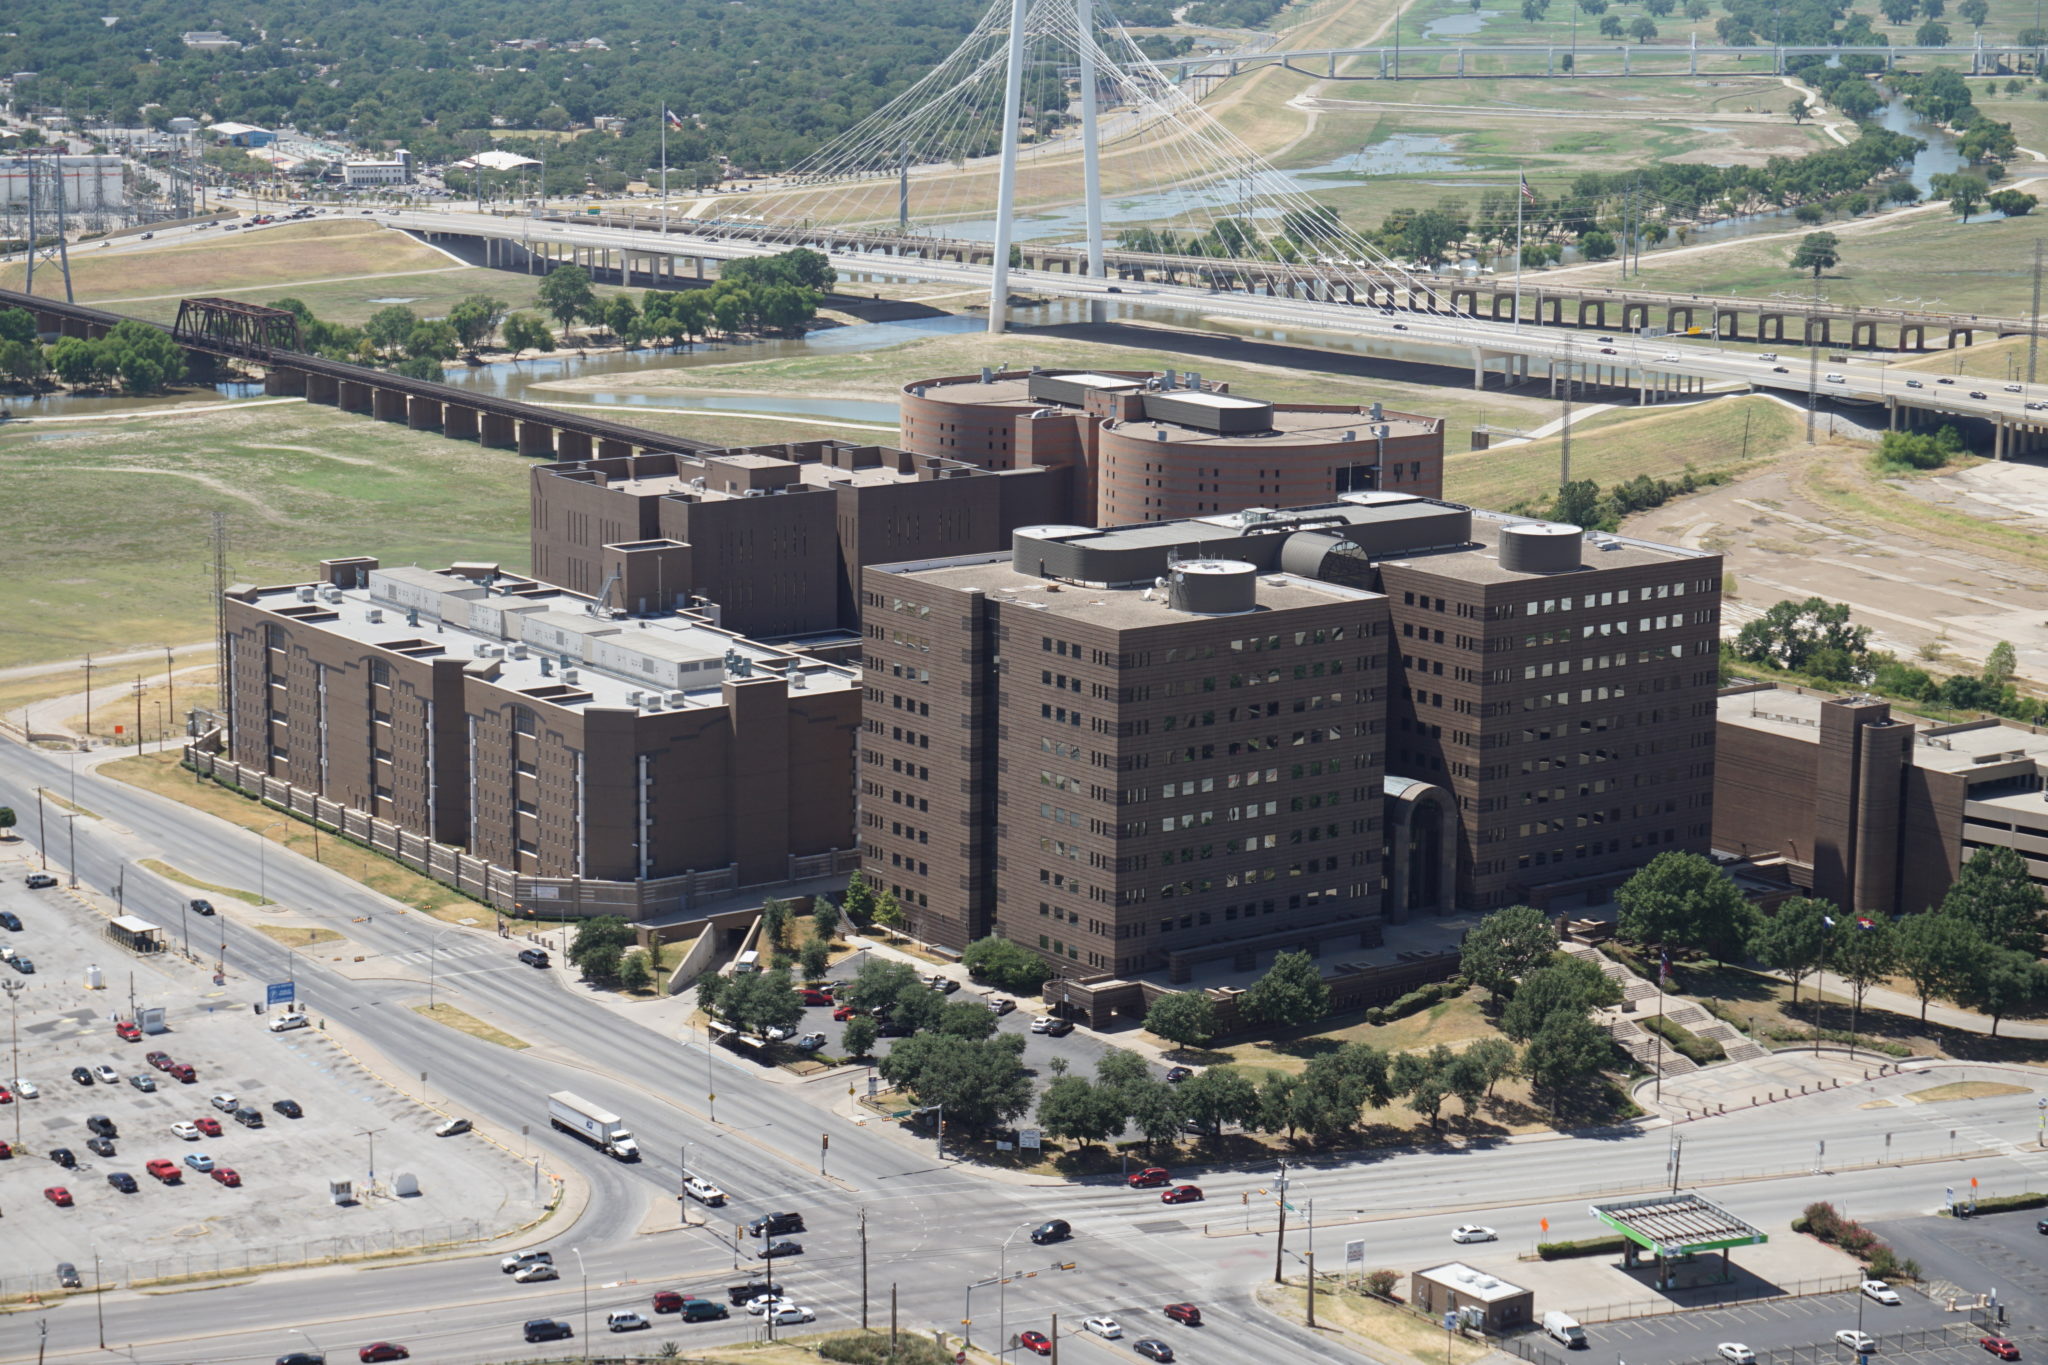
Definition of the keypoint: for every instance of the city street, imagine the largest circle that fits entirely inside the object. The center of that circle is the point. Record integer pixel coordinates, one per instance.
(932, 1229)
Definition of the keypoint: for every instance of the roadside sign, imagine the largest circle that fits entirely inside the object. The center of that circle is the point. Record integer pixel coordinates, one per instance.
(1027, 1138)
(1450, 1318)
(279, 992)
(1354, 1253)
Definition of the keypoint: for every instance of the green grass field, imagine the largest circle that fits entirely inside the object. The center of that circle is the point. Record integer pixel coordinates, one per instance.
(111, 550)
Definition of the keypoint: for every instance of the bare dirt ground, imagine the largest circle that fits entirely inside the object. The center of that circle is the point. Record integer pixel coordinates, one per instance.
(1920, 561)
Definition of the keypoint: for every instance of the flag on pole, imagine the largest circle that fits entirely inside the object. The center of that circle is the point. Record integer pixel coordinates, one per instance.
(1664, 966)
(674, 121)
(1527, 193)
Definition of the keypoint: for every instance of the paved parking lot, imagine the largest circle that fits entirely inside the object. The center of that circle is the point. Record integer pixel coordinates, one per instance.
(282, 1210)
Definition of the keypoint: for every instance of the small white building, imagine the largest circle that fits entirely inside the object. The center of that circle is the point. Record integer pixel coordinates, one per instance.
(208, 40)
(367, 174)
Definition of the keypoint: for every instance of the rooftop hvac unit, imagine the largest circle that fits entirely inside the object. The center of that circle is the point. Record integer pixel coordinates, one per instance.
(518, 651)
(1350, 435)
(306, 593)
(678, 699)
(375, 616)
(796, 680)
(569, 676)
(1160, 434)
(330, 593)
(633, 698)
(988, 376)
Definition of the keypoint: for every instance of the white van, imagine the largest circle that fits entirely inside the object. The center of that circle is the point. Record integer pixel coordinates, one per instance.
(1564, 1329)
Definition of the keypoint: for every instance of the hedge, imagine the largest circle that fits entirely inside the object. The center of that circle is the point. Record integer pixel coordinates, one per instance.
(1591, 1246)
(1839, 1035)
(2005, 1203)
(1688, 1043)
(1421, 998)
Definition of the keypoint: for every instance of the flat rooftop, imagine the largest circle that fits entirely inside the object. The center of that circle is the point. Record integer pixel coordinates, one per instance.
(550, 644)
(1480, 561)
(1013, 390)
(1943, 748)
(1671, 1224)
(1472, 1283)
(1123, 608)
(1299, 428)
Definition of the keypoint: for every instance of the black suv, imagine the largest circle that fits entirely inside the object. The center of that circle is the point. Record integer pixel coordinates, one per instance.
(548, 1329)
(102, 1126)
(774, 1224)
(63, 1157)
(248, 1117)
(533, 957)
(9, 920)
(302, 1358)
(200, 907)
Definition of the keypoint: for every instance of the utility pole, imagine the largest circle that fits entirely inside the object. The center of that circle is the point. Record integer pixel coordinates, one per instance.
(2034, 333)
(14, 990)
(1812, 376)
(1280, 1241)
(863, 1270)
(1564, 430)
(88, 696)
(892, 1316)
(1311, 1289)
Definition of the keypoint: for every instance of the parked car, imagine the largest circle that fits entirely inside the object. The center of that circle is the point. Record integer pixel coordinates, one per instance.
(1184, 1313)
(25, 1088)
(285, 1023)
(9, 920)
(104, 1074)
(122, 1181)
(1175, 1075)
(125, 1030)
(1862, 1343)
(1000, 1005)
(249, 1116)
(160, 1060)
(1059, 1028)
(166, 1171)
(67, 1275)
(100, 1146)
(1735, 1353)
(450, 1127)
(227, 1104)
(944, 985)
(811, 997)
(1105, 1327)
(81, 1075)
(40, 881)
(207, 1124)
(190, 1131)
(228, 1176)
(810, 1042)
(1882, 1292)
(2000, 1347)
(1038, 1343)
(843, 1013)
(64, 1157)
(533, 957)
(59, 1196)
(143, 1082)
(289, 1108)
(182, 1071)
(99, 1125)
(26, 968)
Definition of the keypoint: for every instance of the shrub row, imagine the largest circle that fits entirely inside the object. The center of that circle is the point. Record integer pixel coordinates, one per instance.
(1688, 1043)
(1838, 1035)
(1823, 1220)
(1591, 1246)
(2005, 1203)
(1421, 998)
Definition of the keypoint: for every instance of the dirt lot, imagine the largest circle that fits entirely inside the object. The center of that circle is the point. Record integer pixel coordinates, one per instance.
(1952, 561)
(281, 1212)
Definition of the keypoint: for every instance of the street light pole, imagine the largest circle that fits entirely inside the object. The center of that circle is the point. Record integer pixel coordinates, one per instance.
(371, 1134)
(433, 965)
(99, 1296)
(263, 861)
(14, 990)
(585, 1273)
(71, 829)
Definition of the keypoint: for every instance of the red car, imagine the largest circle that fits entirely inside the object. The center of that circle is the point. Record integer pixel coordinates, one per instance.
(226, 1175)
(6, 1095)
(59, 1196)
(1184, 1313)
(183, 1071)
(2000, 1347)
(668, 1301)
(812, 997)
(843, 1013)
(160, 1060)
(1151, 1176)
(1038, 1343)
(166, 1171)
(5, 1151)
(127, 1030)
(383, 1350)
(1181, 1194)
(207, 1124)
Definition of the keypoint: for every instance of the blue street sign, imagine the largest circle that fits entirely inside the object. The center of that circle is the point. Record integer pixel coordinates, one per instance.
(279, 992)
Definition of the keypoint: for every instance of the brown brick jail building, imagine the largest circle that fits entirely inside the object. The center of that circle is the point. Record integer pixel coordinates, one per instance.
(1153, 746)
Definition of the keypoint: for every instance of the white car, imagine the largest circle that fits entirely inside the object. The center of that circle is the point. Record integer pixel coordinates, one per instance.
(25, 1088)
(106, 1075)
(1882, 1292)
(762, 1303)
(1860, 1342)
(624, 1320)
(1671, 355)
(2015, 388)
(811, 1042)
(1735, 1353)
(1767, 355)
(520, 1258)
(227, 1104)
(1041, 1023)
(1472, 1232)
(792, 1313)
(778, 1033)
(1836, 379)
(1107, 1328)
(185, 1131)
(703, 1191)
(285, 1023)
(534, 1271)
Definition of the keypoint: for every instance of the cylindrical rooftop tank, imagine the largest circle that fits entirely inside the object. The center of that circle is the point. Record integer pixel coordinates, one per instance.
(1540, 547)
(1212, 587)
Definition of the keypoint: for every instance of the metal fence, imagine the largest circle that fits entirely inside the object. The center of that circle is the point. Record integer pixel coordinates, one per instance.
(1714, 1296)
(1535, 1347)
(231, 1259)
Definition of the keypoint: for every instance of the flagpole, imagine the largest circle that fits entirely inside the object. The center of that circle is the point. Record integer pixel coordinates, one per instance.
(664, 167)
(1521, 200)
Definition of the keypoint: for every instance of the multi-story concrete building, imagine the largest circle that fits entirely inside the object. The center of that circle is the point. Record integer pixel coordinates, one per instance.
(393, 170)
(1873, 812)
(1160, 447)
(774, 536)
(1310, 715)
(540, 732)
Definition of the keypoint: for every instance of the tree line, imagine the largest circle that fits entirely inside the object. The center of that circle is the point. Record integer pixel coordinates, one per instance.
(133, 356)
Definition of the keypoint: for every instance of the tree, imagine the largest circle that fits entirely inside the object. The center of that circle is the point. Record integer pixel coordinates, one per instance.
(816, 957)
(1184, 1018)
(2011, 203)
(1863, 954)
(1005, 964)
(1153, 1107)
(7, 821)
(1337, 1085)
(1793, 938)
(1817, 251)
(711, 989)
(1428, 234)
(824, 921)
(1567, 1048)
(1597, 246)
(595, 933)
(2000, 664)
(1993, 895)
(774, 920)
(1504, 946)
(980, 1081)
(859, 901)
(565, 294)
(888, 912)
(1797, 636)
(601, 964)
(1217, 1096)
(1898, 11)
(432, 341)
(1277, 1113)
(918, 1007)
(1577, 504)
(1936, 953)
(1492, 1058)
(76, 361)
(525, 332)
(389, 327)
(1800, 111)
(880, 982)
(634, 973)
(1610, 26)
(144, 357)
(475, 319)
(1566, 985)
(1964, 192)
(1424, 1080)
(1289, 995)
(1683, 900)
(1080, 1111)
(859, 1038)
(2003, 983)
(17, 324)
(1931, 34)
(1642, 28)
(1975, 12)
(754, 1002)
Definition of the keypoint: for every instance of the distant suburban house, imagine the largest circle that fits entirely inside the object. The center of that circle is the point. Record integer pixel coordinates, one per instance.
(207, 40)
(241, 134)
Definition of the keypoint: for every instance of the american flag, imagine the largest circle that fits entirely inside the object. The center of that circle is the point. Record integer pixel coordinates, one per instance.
(675, 121)
(1527, 193)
